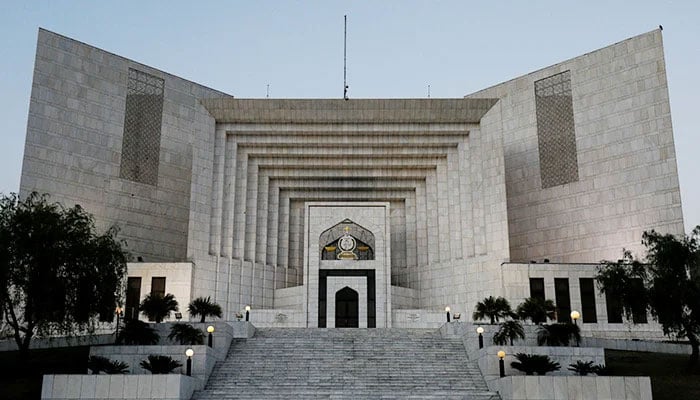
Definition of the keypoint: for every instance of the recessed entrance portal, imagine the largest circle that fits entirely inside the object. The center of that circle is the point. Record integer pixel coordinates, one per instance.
(347, 308)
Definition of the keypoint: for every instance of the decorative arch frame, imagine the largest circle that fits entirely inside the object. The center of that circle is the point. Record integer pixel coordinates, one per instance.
(328, 240)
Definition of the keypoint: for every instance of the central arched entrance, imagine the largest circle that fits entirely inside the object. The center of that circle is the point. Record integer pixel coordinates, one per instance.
(347, 308)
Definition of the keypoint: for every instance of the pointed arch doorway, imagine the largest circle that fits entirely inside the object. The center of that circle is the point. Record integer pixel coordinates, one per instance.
(347, 308)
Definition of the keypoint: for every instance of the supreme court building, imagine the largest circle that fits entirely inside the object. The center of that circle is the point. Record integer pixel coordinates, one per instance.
(363, 212)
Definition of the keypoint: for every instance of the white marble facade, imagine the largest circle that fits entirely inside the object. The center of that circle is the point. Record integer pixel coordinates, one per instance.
(452, 188)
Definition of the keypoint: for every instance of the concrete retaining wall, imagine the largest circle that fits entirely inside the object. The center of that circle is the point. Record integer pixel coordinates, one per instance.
(161, 387)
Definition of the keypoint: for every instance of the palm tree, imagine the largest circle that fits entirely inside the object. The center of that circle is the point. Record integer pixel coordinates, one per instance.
(493, 309)
(204, 307)
(186, 334)
(536, 309)
(158, 364)
(558, 334)
(534, 364)
(509, 331)
(97, 364)
(137, 332)
(157, 307)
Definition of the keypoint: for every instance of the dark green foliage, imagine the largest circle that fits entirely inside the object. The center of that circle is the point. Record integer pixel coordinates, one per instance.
(534, 364)
(98, 364)
(492, 308)
(601, 370)
(186, 334)
(582, 368)
(204, 307)
(509, 331)
(137, 333)
(57, 276)
(160, 364)
(558, 334)
(621, 279)
(536, 310)
(157, 308)
(668, 285)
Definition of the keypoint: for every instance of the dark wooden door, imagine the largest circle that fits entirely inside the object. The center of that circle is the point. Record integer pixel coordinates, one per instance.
(347, 309)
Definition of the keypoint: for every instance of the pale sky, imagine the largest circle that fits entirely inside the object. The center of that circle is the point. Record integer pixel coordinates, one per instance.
(395, 49)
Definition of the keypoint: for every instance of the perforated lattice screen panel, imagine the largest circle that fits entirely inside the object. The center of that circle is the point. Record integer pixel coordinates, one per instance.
(555, 130)
(142, 124)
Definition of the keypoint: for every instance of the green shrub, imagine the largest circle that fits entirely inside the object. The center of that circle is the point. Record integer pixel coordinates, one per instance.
(558, 334)
(534, 363)
(601, 370)
(160, 364)
(582, 368)
(186, 334)
(98, 364)
(137, 333)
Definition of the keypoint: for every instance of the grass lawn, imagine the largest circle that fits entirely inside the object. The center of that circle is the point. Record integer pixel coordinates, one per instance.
(21, 378)
(669, 377)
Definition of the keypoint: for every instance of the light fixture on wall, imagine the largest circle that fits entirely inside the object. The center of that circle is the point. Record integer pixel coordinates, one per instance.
(501, 363)
(189, 353)
(447, 311)
(247, 313)
(480, 331)
(210, 341)
(178, 316)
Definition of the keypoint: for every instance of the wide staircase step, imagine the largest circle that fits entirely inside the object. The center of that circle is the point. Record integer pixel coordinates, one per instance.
(314, 363)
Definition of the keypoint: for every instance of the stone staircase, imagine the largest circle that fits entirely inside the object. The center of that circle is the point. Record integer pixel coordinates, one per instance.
(346, 364)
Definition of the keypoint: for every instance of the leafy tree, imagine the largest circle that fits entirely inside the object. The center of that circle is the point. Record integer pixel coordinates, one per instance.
(534, 364)
(97, 364)
(204, 307)
(536, 310)
(157, 308)
(508, 332)
(558, 334)
(186, 334)
(492, 308)
(138, 333)
(621, 279)
(668, 285)
(160, 364)
(57, 276)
